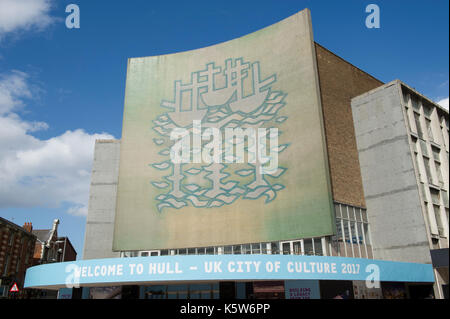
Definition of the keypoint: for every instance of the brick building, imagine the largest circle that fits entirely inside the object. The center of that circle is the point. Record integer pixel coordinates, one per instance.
(65, 250)
(17, 246)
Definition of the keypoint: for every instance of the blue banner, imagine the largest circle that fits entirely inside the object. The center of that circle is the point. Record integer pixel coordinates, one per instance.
(147, 270)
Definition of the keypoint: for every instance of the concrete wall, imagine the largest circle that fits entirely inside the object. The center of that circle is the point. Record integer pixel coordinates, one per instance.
(394, 208)
(102, 201)
(341, 81)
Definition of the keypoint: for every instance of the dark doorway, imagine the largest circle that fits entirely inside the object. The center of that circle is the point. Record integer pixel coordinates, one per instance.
(393, 290)
(227, 290)
(130, 292)
(336, 289)
(421, 291)
(445, 290)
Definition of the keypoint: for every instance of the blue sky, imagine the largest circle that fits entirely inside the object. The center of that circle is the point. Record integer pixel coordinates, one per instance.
(62, 88)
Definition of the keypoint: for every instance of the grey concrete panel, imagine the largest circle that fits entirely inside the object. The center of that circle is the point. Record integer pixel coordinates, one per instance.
(391, 189)
(102, 201)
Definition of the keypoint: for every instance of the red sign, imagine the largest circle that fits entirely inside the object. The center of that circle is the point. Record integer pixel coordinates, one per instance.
(14, 288)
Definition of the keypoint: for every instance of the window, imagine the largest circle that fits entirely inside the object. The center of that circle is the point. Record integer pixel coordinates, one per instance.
(286, 248)
(426, 162)
(237, 249)
(308, 245)
(318, 251)
(347, 232)
(427, 110)
(364, 215)
(437, 216)
(297, 248)
(191, 251)
(421, 177)
(164, 252)
(439, 173)
(414, 143)
(5, 270)
(405, 98)
(435, 196)
(358, 215)
(423, 147)
(11, 239)
(446, 215)
(366, 234)
(445, 198)
(429, 129)
(264, 248)
(353, 230)
(27, 254)
(414, 103)
(419, 128)
(344, 212)
(339, 230)
(256, 249)
(17, 264)
(360, 233)
(227, 250)
(275, 248)
(209, 250)
(337, 210)
(246, 249)
(424, 194)
(144, 254)
(436, 152)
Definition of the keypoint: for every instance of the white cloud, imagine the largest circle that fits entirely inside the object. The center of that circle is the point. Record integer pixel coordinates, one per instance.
(23, 15)
(36, 172)
(443, 103)
(13, 89)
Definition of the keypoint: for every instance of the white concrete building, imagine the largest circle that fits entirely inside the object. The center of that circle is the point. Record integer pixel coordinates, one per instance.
(403, 146)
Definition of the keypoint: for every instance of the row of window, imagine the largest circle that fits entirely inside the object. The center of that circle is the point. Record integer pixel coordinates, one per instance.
(8, 260)
(427, 161)
(309, 246)
(412, 100)
(352, 232)
(436, 187)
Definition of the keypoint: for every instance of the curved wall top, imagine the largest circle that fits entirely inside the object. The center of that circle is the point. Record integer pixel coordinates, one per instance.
(267, 79)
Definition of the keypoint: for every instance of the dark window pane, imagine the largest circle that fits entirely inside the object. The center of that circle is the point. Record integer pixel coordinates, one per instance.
(275, 248)
(318, 251)
(307, 243)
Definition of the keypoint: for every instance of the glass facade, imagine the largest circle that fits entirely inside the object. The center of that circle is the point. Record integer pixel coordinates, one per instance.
(352, 232)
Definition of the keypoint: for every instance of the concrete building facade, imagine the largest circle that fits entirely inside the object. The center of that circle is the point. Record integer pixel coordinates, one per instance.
(402, 140)
(102, 201)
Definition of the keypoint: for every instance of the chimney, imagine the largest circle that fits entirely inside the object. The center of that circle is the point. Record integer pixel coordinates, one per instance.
(28, 227)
